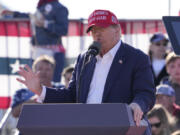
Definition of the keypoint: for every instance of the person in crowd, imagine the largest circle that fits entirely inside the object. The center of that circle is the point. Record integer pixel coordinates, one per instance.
(49, 24)
(165, 95)
(161, 121)
(173, 69)
(44, 65)
(67, 75)
(157, 53)
(119, 73)
(9, 127)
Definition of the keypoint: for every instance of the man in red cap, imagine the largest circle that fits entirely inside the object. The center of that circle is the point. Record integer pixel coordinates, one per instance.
(118, 74)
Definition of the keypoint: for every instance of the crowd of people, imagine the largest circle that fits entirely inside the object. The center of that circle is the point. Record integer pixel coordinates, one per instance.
(119, 73)
(48, 24)
(164, 117)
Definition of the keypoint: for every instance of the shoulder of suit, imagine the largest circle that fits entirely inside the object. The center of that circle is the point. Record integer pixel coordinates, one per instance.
(82, 54)
(130, 49)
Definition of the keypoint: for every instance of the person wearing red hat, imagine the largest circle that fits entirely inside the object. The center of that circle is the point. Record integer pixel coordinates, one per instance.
(118, 74)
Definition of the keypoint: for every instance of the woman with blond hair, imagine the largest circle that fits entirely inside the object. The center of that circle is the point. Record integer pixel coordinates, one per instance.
(160, 120)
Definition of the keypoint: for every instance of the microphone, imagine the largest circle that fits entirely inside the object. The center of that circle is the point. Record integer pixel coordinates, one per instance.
(94, 49)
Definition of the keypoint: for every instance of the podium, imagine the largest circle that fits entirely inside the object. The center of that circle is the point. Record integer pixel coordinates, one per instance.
(78, 119)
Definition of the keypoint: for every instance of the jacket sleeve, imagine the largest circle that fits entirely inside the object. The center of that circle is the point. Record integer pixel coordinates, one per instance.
(59, 25)
(63, 95)
(143, 85)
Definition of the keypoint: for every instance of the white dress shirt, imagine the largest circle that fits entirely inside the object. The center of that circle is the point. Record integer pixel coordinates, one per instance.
(101, 71)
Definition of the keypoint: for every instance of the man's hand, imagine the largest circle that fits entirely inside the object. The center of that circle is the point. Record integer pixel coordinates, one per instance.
(31, 79)
(137, 113)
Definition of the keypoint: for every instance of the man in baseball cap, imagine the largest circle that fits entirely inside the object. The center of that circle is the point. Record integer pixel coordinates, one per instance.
(164, 89)
(100, 24)
(165, 95)
(118, 74)
(105, 28)
(102, 18)
(157, 51)
(157, 37)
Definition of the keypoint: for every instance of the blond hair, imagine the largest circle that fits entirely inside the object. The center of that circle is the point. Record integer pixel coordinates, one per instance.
(44, 58)
(167, 120)
(177, 132)
(171, 57)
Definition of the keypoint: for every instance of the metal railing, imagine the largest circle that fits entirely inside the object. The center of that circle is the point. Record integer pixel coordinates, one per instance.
(5, 119)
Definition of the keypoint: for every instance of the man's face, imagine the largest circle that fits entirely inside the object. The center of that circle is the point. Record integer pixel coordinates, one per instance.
(106, 36)
(46, 71)
(164, 100)
(173, 69)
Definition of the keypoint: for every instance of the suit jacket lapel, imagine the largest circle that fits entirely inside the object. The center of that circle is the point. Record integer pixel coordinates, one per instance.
(115, 68)
(86, 79)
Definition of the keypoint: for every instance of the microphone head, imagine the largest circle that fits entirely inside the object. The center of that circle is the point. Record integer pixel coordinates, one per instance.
(94, 48)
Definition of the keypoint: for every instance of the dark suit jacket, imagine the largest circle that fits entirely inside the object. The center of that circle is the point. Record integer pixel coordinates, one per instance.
(130, 80)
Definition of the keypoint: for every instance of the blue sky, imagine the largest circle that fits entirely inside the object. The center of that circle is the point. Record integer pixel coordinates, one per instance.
(124, 9)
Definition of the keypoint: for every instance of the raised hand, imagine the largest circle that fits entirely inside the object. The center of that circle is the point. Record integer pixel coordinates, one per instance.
(31, 79)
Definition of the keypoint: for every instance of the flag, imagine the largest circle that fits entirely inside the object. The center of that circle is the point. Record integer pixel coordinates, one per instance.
(15, 46)
(15, 51)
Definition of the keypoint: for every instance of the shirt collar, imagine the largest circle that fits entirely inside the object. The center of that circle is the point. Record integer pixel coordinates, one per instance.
(111, 52)
(115, 49)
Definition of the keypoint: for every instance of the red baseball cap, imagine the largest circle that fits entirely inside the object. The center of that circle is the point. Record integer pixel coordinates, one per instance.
(102, 18)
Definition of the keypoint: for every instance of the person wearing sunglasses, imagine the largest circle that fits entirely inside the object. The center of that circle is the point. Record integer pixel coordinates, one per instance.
(157, 53)
(162, 123)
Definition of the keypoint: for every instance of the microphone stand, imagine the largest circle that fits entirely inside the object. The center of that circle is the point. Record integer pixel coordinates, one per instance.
(86, 59)
(92, 52)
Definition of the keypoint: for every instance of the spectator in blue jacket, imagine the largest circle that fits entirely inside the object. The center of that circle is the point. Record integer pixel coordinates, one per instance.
(49, 24)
